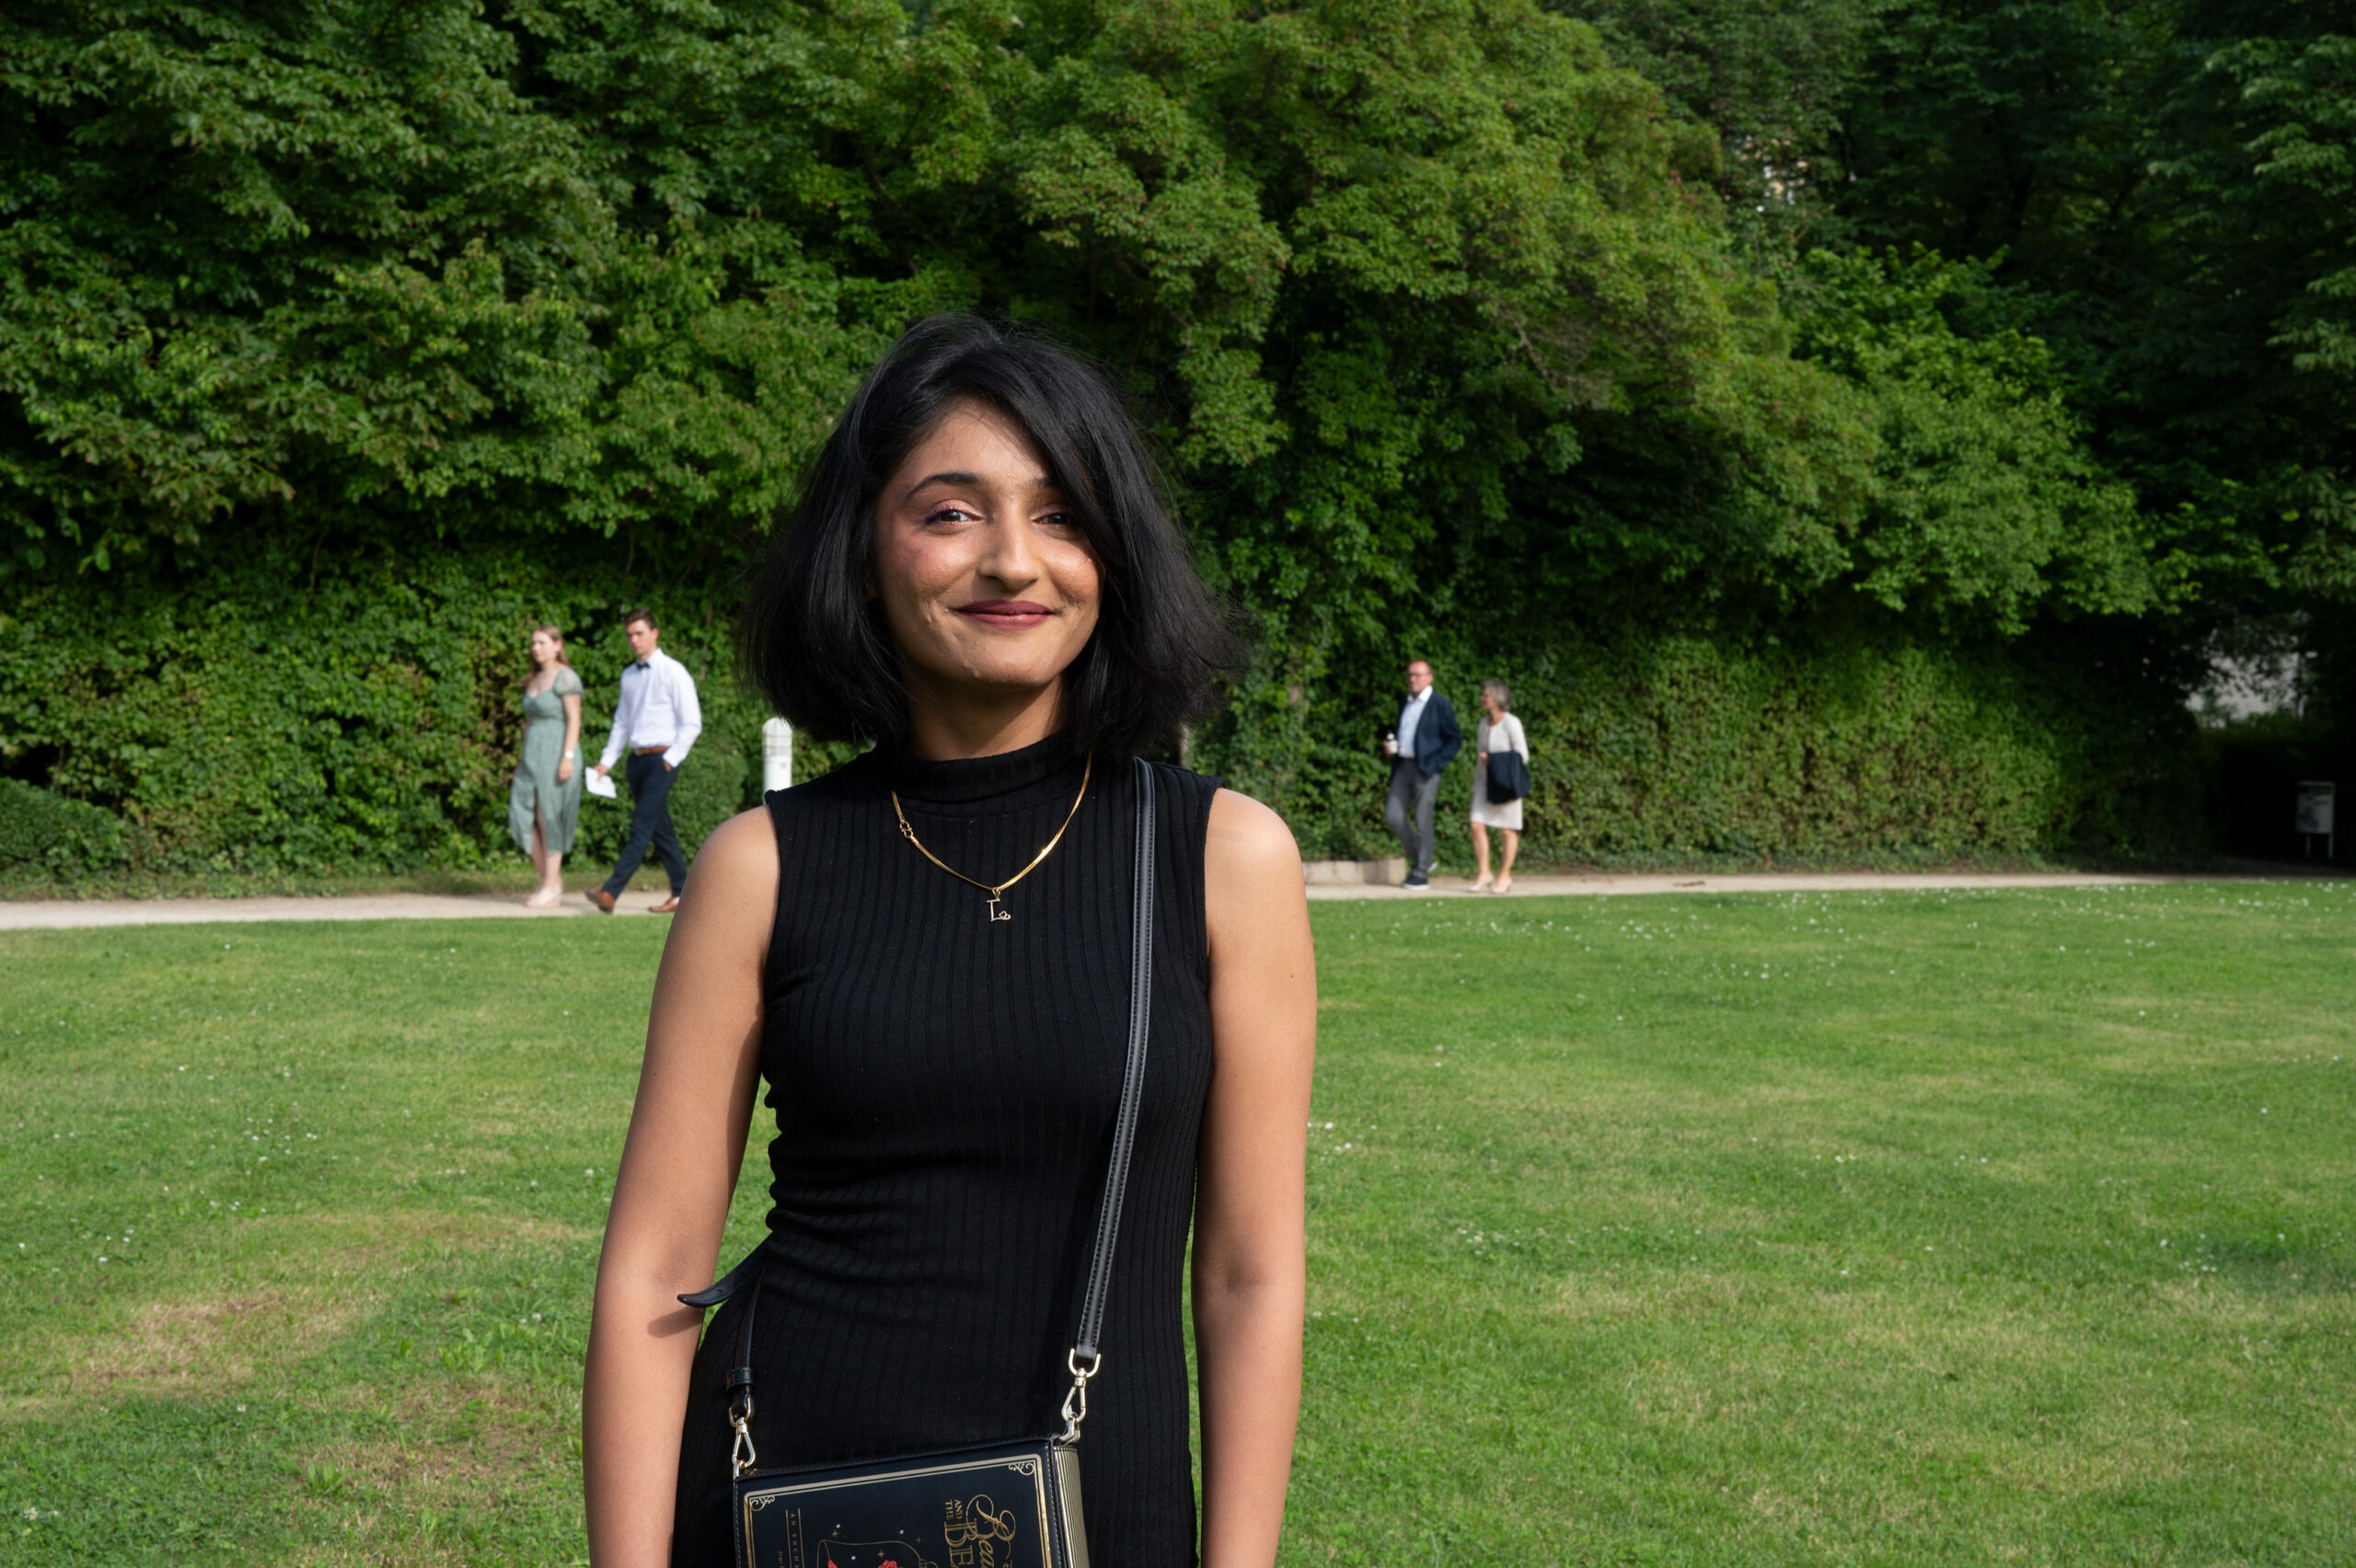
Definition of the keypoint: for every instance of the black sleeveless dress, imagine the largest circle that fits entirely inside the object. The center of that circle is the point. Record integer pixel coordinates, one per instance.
(945, 1087)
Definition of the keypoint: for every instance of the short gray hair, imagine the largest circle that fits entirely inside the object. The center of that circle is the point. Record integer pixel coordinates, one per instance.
(1503, 695)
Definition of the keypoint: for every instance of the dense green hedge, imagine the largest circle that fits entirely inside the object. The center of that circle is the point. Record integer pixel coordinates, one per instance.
(266, 719)
(42, 829)
(1853, 741)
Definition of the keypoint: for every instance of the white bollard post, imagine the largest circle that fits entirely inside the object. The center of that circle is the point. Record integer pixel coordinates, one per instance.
(777, 755)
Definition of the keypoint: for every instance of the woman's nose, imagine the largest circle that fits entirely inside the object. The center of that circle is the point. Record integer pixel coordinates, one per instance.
(1013, 557)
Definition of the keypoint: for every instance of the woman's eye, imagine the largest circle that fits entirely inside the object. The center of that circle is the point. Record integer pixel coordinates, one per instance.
(1058, 520)
(949, 514)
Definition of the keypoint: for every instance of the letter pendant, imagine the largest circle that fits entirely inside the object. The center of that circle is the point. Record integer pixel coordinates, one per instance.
(996, 914)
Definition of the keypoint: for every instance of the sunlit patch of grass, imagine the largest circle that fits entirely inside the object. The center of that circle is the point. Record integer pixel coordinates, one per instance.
(1894, 1228)
(348, 1183)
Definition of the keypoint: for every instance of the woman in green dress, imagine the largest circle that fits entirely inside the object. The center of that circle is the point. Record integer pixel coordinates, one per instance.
(544, 803)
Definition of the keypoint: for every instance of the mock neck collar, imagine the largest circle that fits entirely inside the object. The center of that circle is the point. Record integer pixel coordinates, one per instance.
(974, 779)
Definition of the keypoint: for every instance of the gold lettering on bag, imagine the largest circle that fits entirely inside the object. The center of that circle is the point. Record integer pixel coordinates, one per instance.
(871, 1554)
(973, 1530)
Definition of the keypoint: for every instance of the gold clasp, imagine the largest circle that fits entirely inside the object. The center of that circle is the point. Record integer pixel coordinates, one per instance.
(740, 1458)
(1076, 1402)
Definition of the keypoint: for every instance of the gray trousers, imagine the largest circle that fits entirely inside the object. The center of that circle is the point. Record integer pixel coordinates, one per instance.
(1410, 790)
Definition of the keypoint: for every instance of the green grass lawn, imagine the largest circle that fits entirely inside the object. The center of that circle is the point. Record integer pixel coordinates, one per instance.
(2007, 1227)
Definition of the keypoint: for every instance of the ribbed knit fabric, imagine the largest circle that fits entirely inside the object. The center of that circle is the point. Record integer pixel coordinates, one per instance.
(945, 1089)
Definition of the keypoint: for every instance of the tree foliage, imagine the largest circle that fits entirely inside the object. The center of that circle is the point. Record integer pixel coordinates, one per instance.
(1379, 268)
(2165, 184)
(328, 266)
(1987, 504)
(1465, 323)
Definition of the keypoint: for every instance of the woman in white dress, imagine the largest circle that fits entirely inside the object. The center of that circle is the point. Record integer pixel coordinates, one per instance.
(1499, 732)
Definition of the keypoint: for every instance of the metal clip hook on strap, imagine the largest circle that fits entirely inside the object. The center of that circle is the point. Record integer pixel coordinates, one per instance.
(740, 1458)
(1076, 1402)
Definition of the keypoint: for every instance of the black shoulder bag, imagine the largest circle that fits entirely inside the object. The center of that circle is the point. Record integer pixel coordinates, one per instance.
(1011, 1505)
(1508, 776)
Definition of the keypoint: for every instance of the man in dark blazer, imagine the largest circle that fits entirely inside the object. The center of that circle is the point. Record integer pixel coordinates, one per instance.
(1425, 741)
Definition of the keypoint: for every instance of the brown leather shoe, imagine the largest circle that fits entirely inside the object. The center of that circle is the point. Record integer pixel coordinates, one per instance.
(669, 907)
(602, 899)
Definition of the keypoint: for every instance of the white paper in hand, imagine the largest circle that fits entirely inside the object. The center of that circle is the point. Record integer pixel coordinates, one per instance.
(600, 784)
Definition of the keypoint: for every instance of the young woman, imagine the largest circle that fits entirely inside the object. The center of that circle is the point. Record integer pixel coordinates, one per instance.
(1499, 732)
(543, 801)
(981, 577)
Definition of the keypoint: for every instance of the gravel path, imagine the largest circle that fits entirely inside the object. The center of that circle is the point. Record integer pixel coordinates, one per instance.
(60, 914)
(1602, 884)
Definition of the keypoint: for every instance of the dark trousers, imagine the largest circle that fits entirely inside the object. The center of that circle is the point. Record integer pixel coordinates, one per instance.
(1412, 792)
(650, 824)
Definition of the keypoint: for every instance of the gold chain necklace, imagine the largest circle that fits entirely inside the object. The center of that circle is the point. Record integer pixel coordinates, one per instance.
(994, 912)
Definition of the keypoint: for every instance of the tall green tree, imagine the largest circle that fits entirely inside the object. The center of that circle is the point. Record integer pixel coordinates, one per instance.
(2164, 185)
(2256, 154)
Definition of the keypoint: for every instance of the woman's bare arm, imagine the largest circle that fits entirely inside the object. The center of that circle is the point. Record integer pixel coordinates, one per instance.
(678, 1171)
(1249, 1263)
(567, 764)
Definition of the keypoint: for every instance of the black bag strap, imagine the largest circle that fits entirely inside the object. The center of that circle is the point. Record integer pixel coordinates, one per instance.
(1125, 1126)
(1085, 1357)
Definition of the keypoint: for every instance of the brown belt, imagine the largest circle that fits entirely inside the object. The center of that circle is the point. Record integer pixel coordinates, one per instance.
(648, 751)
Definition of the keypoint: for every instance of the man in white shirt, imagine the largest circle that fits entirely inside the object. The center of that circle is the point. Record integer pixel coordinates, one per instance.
(656, 720)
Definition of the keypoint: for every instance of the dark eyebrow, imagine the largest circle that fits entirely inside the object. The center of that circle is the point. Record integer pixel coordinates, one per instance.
(948, 479)
(960, 477)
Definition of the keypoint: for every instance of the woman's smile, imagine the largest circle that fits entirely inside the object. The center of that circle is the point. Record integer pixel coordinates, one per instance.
(1006, 615)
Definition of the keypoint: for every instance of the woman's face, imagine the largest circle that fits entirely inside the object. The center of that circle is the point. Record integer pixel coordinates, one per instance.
(543, 649)
(987, 582)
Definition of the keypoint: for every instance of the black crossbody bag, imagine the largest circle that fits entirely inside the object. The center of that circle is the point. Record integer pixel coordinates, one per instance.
(1508, 776)
(1011, 1505)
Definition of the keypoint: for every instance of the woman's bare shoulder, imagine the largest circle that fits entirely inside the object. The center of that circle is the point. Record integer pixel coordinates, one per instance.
(737, 869)
(1247, 846)
(1255, 910)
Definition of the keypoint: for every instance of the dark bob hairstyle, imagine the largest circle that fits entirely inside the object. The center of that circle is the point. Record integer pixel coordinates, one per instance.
(820, 651)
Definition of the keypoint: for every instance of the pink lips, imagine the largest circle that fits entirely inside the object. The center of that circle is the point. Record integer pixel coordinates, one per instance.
(1009, 614)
